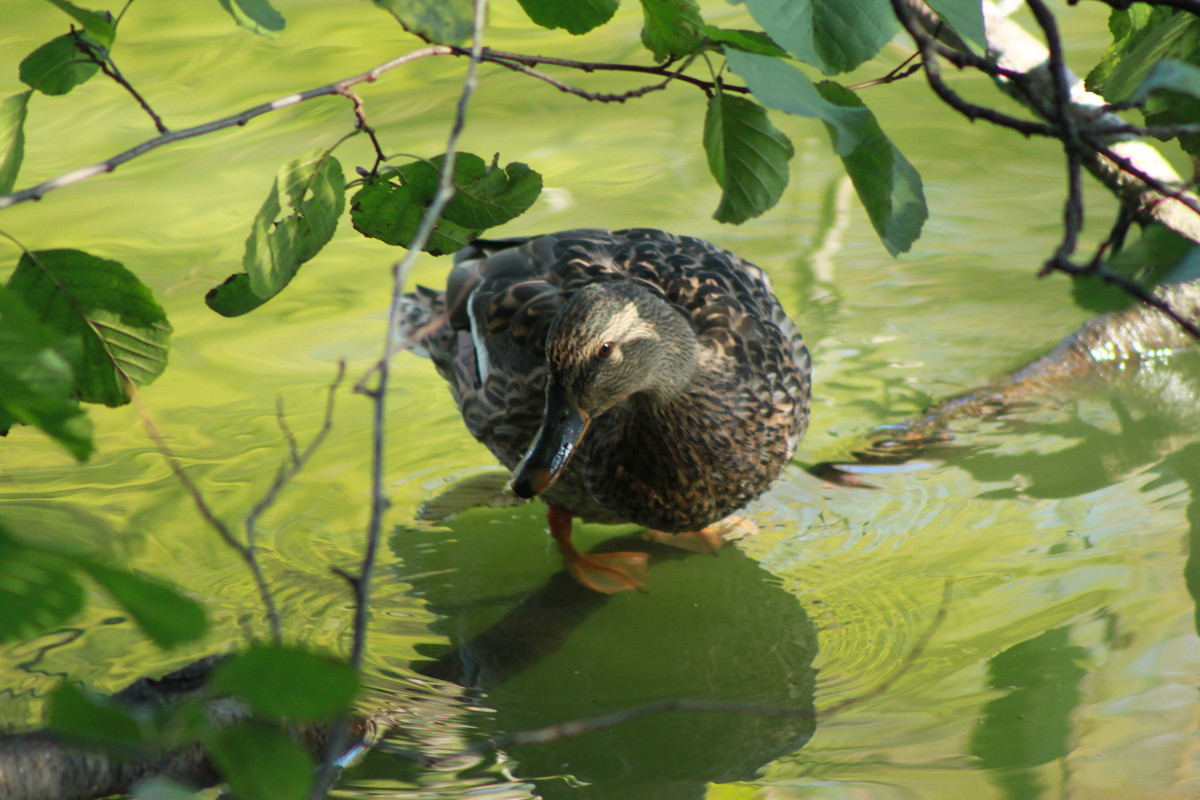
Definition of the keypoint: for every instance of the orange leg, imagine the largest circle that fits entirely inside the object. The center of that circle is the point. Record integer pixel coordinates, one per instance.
(708, 539)
(607, 573)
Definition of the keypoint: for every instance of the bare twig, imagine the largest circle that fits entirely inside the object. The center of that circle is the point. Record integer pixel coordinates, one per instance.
(109, 68)
(508, 59)
(360, 114)
(1065, 121)
(296, 460)
(84, 173)
(247, 553)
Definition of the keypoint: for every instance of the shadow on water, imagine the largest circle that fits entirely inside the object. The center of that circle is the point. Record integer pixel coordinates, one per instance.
(537, 651)
(1030, 725)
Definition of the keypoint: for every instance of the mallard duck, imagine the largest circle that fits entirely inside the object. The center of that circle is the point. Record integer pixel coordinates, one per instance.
(623, 376)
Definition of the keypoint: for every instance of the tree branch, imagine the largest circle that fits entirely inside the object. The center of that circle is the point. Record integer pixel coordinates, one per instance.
(84, 173)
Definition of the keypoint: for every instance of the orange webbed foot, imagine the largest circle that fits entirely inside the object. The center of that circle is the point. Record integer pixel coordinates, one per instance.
(708, 539)
(609, 573)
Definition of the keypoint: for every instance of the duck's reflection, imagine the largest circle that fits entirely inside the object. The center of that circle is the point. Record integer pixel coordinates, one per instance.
(710, 628)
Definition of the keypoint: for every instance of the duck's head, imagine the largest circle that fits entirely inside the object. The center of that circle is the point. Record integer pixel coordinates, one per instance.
(608, 342)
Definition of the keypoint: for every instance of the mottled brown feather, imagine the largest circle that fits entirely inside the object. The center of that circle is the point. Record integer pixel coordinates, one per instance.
(673, 467)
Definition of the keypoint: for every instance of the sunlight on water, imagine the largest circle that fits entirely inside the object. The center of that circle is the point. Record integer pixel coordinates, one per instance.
(1007, 617)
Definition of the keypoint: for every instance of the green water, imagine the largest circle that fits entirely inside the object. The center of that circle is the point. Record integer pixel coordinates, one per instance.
(1063, 663)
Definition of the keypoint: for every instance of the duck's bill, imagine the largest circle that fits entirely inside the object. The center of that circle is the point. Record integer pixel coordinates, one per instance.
(563, 427)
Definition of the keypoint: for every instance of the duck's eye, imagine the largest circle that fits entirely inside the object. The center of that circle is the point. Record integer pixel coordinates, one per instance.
(606, 350)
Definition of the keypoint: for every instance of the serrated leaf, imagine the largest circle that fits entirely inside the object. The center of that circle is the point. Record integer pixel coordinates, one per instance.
(573, 16)
(485, 196)
(392, 214)
(965, 17)
(96, 720)
(746, 41)
(288, 683)
(887, 184)
(38, 591)
(441, 21)
(256, 16)
(58, 66)
(124, 330)
(779, 85)
(832, 35)
(746, 154)
(261, 763)
(297, 219)
(98, 24)
(37, 378)
(12, 138)
(163, 613)
(673, 28)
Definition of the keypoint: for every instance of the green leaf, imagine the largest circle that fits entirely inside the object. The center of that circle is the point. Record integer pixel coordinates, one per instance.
(441, 21)
(832, 35)
(1170, 75)
(888, 186)
(37, 379)
(1141, 38)
(288, 683)
(779, 85)
(746, 41)
(574, 16)
(256, 16)
(38, 591)
(673, 28)
(98, 24)
(233, 297)
(96, 720)
(164, 614)
(746, 154)
(965, 17)
(297, 219)
(124, 330)
(12, 138)
(485, 196)
(58, 66)
(261, 763)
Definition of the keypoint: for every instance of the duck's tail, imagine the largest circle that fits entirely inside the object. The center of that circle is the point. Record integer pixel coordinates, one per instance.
(422, 313)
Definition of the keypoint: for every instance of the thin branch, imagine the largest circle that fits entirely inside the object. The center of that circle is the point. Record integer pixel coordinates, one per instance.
(360, 114)
(664, 70)
(84, 173)
(246, 553)
(109, 68)
(296, 460)
(599, 97)
(929, 50)
(1071, 142)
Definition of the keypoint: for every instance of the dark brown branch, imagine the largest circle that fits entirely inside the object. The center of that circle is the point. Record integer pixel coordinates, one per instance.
(929, 51)
(1065, 122)
(510, 60)
(360, 115)
(109, 68)
(84, 173)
